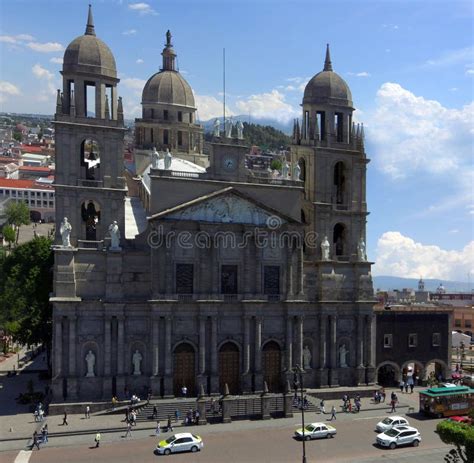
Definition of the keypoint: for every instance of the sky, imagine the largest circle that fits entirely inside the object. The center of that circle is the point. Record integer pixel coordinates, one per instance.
(409, 64)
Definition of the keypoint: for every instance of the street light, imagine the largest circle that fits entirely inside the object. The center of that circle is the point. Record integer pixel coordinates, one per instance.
(298, 371)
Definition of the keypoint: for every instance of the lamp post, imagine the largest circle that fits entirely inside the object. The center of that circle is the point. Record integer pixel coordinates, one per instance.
(298, 375)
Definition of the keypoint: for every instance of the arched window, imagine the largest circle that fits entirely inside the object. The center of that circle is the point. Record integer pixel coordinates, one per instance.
(90, 212)
(90, 158)
(302, 164)
(339, 239)
(339, 182)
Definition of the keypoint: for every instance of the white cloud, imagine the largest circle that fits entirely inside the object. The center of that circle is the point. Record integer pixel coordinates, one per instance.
(56, 60)
(359, 74)
(412, 134)
(453, 89)
(470, 72)
(451, 57)
(48, 47)
(139, 61)
(142, 8)
(210, 107)
(392, 27)
(267, 105)
(400, 255)
(48, 86)
(134, 83)
(15, 38)
(129, 32)
(8, 89)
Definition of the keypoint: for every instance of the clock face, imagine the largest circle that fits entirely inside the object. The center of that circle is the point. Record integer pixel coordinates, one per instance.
(229, 163)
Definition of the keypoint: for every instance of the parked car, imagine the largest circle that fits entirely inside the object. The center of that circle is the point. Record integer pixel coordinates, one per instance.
(316, 431)
(182, 442)
(468, 380)
(390, 422)
(399, 435)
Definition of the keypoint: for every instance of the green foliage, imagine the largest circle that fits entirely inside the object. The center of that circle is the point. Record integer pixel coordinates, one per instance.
(460, 435)
(275, 164)
(17, 136)
(9, 234)
(25, 284)
(17, 214)
(266, 137)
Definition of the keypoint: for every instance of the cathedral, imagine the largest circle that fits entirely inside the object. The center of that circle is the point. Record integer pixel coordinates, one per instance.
(198, 271)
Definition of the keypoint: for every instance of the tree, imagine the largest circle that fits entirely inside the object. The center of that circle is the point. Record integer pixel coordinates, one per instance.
(17, 136)
(17, 214)
(9, 235)
(275, 164)
(26, 281)
(461, 436)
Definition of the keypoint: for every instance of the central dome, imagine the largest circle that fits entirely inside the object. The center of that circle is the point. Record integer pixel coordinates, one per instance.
(88, 54)
(168, 87)
(327, 87)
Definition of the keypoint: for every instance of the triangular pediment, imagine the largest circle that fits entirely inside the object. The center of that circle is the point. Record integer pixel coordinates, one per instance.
(225, 206)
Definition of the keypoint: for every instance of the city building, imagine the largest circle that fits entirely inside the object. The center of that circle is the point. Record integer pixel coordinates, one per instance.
(204, 277)
(412, 340)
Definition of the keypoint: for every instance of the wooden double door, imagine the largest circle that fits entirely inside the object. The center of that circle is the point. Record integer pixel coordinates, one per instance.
(271, 364)
(184, 370)
(229, 368)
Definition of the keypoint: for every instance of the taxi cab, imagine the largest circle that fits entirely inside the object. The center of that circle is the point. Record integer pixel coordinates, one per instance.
(181, 442)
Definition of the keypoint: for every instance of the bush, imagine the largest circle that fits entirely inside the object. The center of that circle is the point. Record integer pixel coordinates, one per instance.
(461, 436)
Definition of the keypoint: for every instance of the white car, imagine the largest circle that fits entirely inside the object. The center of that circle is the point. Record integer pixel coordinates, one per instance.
(390, 422)
(182, 442)
(399, 435)
(316, 431)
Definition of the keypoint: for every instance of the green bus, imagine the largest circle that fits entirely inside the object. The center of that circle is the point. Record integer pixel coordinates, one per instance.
(447, 401)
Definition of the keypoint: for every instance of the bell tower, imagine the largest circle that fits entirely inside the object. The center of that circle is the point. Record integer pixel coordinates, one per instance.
(90, 187)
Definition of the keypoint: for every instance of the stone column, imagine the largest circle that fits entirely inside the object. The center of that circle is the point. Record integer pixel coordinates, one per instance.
(360, 342)
(299, 341)
(247, 268)
(258, 355)
(214, 368)
(333, 376)
(202, 345)
(246, 382)
(107, 346)
(58, 346)
(120, 345)
(289, 272)
(323, 320)
(299, 271)
(72, 345)
(156, 345)
(168, 359)
(289, 343)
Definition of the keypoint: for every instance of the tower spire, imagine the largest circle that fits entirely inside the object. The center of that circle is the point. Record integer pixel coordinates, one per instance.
(327, 61)
(90, 23)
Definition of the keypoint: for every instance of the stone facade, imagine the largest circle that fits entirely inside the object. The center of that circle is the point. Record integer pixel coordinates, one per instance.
(222, 282)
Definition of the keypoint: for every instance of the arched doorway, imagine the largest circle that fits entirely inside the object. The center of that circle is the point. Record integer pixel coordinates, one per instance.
(229, 368)
(388, 375)
(90, 159)
(35, 216)
(271, 362)
(302, 164)
(436, 370)
(184, 369)
(339, 182)
(339, 238)
(90, 212)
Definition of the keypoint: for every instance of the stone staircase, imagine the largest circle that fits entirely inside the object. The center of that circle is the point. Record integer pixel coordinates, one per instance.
(166, 408)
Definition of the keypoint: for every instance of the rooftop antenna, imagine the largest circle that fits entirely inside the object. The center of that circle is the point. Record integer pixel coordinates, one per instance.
(223, 60)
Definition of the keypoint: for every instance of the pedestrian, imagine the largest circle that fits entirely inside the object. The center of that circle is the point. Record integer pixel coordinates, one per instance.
(406, 388)
(411, 388)
(155, 412)
(44, 433)
(196, 417)
(357, 405)
(158, 428)
(333, 413)
(97, 440)
(88, 411)
(321, 406)
(184, 391)
(36, 415)
(349, 406)
(382, 394)
(170, 425)
(393, 403)
(65, 423)
(176, 416)
(402, 385)
(129, 430)
(35, 441)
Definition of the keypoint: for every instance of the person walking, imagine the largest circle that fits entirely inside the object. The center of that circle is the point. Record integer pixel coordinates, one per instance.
(97, 440)
(44, 433)
(333, 413)
(155, 412)
(196, 417)
(170, 425)
(158, 428)
(176, 416)
(406, 388)
(393, 403)
(35, 441)
(65, 423)
(184, 391)
(402, 385)
(88, 412)
(129, 430)
(411, 388)
(322, 407)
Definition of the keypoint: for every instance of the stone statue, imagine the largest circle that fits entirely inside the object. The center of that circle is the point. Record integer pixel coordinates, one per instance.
(65, 231)
(168, 159)
(155, 157)
(137, 360)
(343, 356)
(306, 358)
(285, 169)
(90, 360)
(240, 130)
(296, 172)
(325, 248)
(228, 128)
(114, 236)
(217, 127)
(361, 255)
